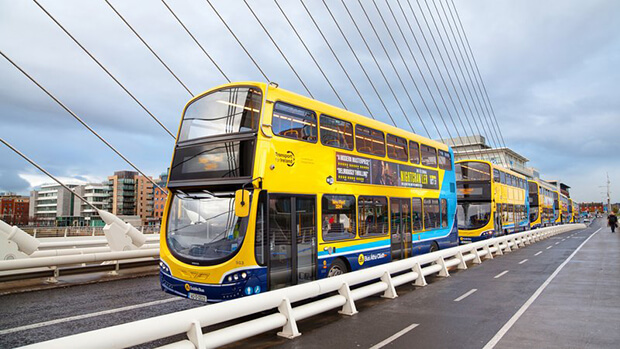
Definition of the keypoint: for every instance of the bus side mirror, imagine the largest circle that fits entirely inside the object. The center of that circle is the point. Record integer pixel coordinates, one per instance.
(242, 203)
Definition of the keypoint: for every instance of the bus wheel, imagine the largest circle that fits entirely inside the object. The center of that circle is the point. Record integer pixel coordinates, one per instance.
(434, 247)
(337, 268)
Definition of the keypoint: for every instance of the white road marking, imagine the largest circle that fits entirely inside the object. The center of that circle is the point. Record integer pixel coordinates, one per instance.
(86, 316)
(466, 295)
(523, 261)
(498, 336)
(557, 242)
(549, 247)
(501, 274)
(563, 239)
(394, 337)
(537, 253)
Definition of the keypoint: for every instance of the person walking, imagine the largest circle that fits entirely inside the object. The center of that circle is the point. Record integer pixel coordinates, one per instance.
(612, 222)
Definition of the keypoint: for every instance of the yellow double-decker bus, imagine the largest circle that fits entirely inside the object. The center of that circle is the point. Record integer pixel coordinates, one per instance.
(268, 189)
(565, 213)
(571, 211)
(557, 210)
(492, 200)
(541, 204)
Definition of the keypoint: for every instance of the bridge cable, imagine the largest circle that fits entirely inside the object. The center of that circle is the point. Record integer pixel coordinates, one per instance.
(79, 119)
(473, 58)
(488, 132)
(433, 58)
(307, 50)
(150, 49)
(337, 60)
(240, 43)
(196, 41)
(358, 61)
(415, 61)
(432, 55)
(104, 69)
(48, 174)
(482, 116)
(278, 48)
(393, 67)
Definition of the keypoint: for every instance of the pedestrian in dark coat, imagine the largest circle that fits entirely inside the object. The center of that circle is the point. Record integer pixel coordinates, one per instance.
(612, 222)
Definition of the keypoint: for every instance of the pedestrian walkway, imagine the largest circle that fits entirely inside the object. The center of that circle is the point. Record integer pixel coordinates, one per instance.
(580, 307)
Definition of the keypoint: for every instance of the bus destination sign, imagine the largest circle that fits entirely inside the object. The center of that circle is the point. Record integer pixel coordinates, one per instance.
(357, 169)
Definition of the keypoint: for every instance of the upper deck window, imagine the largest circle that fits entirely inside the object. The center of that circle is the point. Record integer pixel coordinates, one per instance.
(294, 122)
(369, 141)
(397, 148)
(336, 133)
(429, 155)
(229, 110)
(473, 171)
(414, 152)
(445, 160)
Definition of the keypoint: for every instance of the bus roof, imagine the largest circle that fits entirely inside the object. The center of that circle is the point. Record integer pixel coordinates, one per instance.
(494, 166)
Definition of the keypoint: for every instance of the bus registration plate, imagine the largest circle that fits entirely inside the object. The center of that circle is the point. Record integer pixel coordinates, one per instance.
(197, 297)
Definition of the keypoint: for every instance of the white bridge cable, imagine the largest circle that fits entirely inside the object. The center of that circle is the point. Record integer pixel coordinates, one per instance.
(344, 36)
(305, 46)
(475, 64)
(241, 44)
(104, 69)
(344, 70)
(426, 61)
(393, 67)
(149, 48)
(195, 40)
(47, 173)
(432, 55)
(79, 120)
(277, 47)
(482, 120)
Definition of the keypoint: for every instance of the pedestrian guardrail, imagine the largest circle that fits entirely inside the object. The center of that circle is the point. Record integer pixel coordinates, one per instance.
(340, 292)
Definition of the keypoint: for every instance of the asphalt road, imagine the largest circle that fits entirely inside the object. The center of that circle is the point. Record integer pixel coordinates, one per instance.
(465, 310)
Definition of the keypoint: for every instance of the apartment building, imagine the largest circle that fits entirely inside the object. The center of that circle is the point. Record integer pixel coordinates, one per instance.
(14, 209)
(131, 194)
(51, 202)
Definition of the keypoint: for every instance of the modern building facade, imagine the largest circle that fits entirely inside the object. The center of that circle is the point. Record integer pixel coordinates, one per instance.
(51, 202)
(14, 209)
(131, 194)
(159, 198)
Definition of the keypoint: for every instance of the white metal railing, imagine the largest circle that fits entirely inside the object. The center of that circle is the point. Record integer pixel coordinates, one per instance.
(346, 290)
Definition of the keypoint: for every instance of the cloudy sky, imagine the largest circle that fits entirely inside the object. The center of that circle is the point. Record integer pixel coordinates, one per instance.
(550, 69)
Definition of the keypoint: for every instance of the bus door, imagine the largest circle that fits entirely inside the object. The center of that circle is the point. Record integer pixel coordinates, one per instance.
(292, 239)
(499, 229)
(400, 226)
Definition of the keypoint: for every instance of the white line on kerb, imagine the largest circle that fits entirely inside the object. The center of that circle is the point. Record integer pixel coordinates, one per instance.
(549, 247)
(523, 261)
(498, 336)
(501, 274)
(392, 338)
(537, 253)
(467, 294)
(86, 316)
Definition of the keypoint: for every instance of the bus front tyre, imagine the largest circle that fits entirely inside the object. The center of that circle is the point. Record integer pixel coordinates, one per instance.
(336, 268)
(434, 248)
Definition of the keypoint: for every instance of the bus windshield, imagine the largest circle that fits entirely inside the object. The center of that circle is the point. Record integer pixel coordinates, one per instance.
(473, 171)
(203, 229)
(473, 215)
(229, 110)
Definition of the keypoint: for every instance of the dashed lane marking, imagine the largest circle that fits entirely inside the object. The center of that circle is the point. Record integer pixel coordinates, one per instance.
(394, 337)
(549, 247)
(557, 242)
(500, 274)
(523, 261)
(467, 294)
(86, 316)
(500, 334)
(537, 253)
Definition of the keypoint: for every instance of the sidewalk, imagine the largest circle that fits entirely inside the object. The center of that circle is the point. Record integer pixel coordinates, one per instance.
(580, 308)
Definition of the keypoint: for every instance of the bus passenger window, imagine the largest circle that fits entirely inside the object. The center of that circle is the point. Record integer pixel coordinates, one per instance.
(502, 177)
(417, 215)
(373, 215)
(336, 133)
(369, 141)
(445, 160)
(414, 152)
(431, 214)
(338, 217)
(294, 122)
(429, 155)
(496, 175)
(397, 148)
(444, 213)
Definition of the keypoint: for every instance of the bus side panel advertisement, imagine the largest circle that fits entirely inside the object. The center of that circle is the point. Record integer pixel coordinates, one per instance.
(357, 169)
